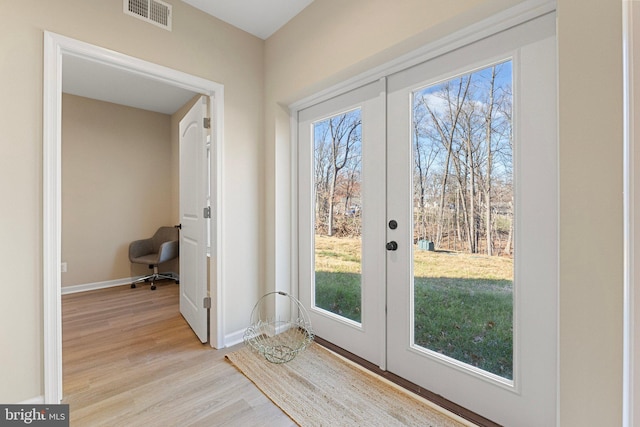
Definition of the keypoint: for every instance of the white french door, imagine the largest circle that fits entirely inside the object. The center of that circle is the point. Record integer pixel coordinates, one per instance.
(471, 333)
(437, 259)
(341, 179)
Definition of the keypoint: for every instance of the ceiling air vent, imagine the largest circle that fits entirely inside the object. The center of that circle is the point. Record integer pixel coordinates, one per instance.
(154, 11)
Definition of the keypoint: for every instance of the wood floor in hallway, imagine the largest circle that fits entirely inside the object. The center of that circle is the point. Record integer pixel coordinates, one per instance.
(130, 359)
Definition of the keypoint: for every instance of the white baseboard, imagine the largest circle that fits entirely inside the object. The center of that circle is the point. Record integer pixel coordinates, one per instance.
(106, 284)
(234, 338)
(97, 285)
(38, 400)
(237, 337)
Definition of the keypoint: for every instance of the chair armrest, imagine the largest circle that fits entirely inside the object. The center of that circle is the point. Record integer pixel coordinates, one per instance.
(139, 248)
(168, 250)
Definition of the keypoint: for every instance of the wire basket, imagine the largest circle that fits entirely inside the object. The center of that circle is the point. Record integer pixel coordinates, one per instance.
(278, 340)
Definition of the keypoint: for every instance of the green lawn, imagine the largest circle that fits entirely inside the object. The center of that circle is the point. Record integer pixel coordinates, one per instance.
(463, 302)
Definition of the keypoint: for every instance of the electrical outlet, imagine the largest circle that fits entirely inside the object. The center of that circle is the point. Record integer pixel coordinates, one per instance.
(63, 267)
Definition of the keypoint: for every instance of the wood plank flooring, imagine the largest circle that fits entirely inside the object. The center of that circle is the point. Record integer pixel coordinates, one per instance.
(130, 359)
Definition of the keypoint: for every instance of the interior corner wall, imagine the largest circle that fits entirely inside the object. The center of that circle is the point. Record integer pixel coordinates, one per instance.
(199, 45)
(591, 210)
(116, 186)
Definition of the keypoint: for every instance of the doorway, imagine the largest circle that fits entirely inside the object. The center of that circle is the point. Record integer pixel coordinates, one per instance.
(56, 48)
(409, 188)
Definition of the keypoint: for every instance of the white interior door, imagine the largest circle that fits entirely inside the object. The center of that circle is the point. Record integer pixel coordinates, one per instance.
(193, 234)
(446, 331)
(341, 180)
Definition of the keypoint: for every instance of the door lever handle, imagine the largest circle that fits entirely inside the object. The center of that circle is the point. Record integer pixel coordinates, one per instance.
(392, 245)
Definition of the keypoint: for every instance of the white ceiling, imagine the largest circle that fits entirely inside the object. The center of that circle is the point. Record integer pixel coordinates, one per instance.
(90, 79)
(94, 80)
(261, 18)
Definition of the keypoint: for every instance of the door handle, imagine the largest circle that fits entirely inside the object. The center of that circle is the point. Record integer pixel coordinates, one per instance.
(392, 245)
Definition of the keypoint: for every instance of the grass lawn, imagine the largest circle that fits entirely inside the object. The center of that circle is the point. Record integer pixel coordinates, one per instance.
(463, 302)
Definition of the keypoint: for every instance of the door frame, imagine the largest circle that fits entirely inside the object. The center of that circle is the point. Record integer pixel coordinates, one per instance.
(516, 15)
(55, 48)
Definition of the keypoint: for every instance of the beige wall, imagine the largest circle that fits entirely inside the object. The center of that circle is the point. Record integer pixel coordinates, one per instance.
(591, 276)
(116, 186)
(329, 41)
(332, 40)
(199, 45)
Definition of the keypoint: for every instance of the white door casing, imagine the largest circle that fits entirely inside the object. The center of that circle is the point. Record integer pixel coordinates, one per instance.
(56, 47)
(193, 233)
(530, 399)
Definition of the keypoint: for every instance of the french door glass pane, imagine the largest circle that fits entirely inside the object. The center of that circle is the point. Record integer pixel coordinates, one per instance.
(463, 219)
(338, 213)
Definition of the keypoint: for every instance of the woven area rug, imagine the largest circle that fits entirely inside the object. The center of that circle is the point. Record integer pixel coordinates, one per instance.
(320, 388)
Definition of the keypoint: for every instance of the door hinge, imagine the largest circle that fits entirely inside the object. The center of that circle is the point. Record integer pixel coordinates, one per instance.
(207, 302)
(207, 212)
(206, 122)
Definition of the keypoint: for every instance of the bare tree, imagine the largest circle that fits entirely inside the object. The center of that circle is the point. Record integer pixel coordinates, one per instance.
(489, 162)
(446, 125)
(424, 156)
(337, 163)
(322, 172)
(469, 119)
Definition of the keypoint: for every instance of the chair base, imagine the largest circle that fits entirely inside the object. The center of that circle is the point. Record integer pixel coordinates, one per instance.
(153, 277)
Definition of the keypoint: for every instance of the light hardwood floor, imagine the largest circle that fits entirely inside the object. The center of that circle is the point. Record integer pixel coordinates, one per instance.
(130, 359)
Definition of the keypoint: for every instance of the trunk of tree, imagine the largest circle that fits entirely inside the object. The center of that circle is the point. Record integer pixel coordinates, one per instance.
(421, 221)
(488, 220)
(462, 176)
(487, 186)
(458, 225)
(332, 192)
(443, 189)
(507, 246)
(468, 226)
(473, 246)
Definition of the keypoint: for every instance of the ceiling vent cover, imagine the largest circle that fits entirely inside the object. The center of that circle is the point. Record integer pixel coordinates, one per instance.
(156, 12)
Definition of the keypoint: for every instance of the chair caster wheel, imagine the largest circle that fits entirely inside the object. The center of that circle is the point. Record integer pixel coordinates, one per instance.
(177, 282)
(133, 286)
(153, 287)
